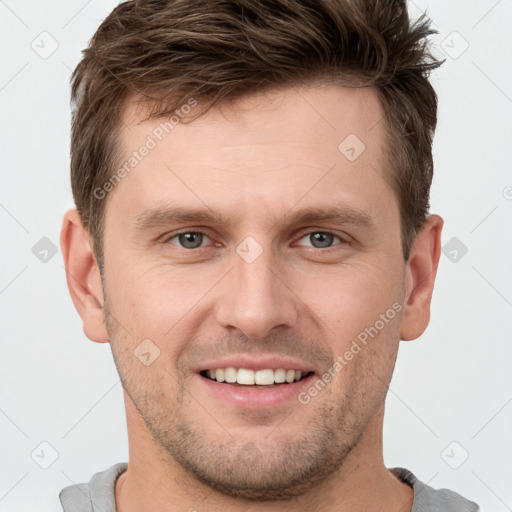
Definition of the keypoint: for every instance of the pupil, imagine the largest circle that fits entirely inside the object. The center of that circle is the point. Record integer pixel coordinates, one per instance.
(187, 240)
(322, 239)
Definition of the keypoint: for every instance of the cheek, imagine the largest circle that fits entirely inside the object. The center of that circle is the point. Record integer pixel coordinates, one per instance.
(149, 297)
(161, 304)
(349, 299)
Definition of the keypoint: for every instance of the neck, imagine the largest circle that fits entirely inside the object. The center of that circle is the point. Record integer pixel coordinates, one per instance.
(155, 481)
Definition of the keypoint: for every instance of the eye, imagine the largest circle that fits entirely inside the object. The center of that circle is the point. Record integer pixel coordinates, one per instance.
(188, 239)
(321, 239)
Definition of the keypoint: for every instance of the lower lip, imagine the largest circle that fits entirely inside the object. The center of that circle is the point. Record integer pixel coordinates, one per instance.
(249, 397)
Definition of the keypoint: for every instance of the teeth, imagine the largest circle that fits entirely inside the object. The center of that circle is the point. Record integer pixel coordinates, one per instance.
(245, 376)
(264, 377)
(230, 374)
(279, 376)
(248, 377)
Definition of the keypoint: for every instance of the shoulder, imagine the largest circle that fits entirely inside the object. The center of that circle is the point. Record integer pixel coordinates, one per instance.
(98, 494)
(434, 500)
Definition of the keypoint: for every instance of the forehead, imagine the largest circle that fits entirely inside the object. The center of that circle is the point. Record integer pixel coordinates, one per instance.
(267, 151)
(307, 112)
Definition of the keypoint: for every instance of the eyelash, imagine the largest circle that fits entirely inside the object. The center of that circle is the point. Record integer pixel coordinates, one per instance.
(324, 249)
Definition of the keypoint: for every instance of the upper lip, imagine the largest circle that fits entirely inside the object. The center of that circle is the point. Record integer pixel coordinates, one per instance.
(259, 363)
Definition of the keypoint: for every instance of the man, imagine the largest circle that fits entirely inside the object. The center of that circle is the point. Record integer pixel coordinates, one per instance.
(252, 238)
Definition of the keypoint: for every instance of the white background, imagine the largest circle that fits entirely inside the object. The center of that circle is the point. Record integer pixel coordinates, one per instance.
(452, 384)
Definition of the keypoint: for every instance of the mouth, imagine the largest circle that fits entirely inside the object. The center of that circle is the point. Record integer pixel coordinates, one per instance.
(255, 382)
(266, 378)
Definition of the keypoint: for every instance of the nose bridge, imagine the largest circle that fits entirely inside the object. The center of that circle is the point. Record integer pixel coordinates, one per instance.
(257, 280)
(255, 300)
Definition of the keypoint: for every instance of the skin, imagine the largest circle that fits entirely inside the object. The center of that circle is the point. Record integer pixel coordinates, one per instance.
(255, 162)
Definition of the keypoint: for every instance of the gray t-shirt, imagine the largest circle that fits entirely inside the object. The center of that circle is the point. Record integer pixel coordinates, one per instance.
(98, 495)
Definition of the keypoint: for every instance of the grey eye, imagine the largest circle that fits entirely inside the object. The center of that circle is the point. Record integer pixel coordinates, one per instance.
(190, 240)
(320, 239)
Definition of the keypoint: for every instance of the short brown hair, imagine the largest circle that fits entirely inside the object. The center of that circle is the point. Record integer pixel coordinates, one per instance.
(215, 50)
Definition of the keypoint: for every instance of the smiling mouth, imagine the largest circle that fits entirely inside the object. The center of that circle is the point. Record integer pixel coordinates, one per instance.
(261, 379)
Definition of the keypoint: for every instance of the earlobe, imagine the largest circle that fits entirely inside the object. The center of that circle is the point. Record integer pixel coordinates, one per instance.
(421, 270)
(83, 276)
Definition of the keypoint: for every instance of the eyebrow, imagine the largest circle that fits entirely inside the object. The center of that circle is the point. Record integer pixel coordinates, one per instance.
(166, 215)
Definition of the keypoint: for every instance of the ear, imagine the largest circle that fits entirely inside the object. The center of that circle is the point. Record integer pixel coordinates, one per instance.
(420, 274)
(83, 276)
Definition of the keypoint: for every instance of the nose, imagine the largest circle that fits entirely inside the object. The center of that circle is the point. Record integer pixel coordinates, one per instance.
(255, 297)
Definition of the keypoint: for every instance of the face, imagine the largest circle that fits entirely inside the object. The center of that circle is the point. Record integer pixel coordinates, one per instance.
(250, 239)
